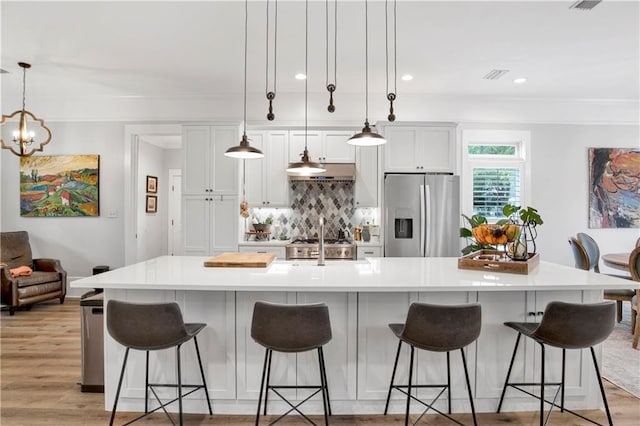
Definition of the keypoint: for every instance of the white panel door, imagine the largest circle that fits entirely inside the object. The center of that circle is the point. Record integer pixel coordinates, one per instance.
(225, 169)
(275, 179)
(399, 151)
(335, 147)
(254, 171)
(314, 145)
(224, 220)
(366, 186)
(196, 225)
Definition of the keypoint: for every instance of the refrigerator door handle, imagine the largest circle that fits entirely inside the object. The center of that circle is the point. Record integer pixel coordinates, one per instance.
(427, 232)
(422, 220)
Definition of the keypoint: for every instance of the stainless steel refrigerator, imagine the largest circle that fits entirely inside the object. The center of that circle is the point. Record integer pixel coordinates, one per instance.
(422, 215)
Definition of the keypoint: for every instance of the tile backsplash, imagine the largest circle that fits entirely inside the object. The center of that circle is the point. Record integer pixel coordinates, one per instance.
(310, 201)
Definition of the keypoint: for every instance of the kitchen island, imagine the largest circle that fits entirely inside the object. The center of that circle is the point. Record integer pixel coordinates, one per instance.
(363, 297)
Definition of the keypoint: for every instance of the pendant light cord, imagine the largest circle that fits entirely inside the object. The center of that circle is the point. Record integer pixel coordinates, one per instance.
(24, 88)
(331, 87)
(391, 96)
(366, 60)
(246, 26)
(306, 67)
(271, 94)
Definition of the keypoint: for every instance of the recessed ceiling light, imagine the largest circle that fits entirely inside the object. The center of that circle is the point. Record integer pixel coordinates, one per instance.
(520, 80)
(407, 77)
(301, 76)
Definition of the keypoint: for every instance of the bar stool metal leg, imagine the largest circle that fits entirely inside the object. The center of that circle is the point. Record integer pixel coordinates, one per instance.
(604, 396)
(564, 358)
(204, 382)
(542, 420)
(324, 374)
(323, 388)
(179, 383)
(266, 389)
(506, 381)
(146, 382)
(115, 402)
(393, 375)
(264, 372)
(406, 416)
(449, 382)
(466, 376)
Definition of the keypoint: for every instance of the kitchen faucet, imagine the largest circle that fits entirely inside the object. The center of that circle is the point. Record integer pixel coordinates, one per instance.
(321, 248)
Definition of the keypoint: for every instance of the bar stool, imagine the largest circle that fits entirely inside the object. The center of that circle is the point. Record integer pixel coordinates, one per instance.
(152, 327)
(566, 326)
(436, 328)
(291, 329)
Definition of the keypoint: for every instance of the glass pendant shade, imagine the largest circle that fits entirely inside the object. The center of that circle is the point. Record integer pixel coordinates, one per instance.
(244, 151)
(367, 137)
(305, 166)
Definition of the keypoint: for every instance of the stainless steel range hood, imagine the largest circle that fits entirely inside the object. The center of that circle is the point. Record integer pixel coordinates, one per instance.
(335, 172)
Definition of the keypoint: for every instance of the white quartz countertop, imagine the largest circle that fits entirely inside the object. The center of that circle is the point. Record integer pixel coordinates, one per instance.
(376, 274)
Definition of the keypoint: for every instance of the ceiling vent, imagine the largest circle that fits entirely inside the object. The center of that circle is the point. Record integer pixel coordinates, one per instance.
(495, 74)
(585, 4)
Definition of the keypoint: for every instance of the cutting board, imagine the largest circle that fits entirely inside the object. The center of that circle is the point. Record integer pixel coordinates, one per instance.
(240, 260)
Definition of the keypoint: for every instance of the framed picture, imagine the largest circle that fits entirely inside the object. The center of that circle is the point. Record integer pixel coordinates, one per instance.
(59, 186)
(614, 198)
(152, 184)
(152, 204)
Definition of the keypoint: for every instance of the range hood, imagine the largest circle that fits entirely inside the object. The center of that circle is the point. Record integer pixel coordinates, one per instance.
(335, 172)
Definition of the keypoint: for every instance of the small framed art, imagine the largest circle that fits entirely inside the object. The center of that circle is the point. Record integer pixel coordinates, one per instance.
(152, 184)
(152, 204)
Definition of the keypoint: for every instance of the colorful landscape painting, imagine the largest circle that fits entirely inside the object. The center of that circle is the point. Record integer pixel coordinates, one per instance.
(614, 182)
(59, 186)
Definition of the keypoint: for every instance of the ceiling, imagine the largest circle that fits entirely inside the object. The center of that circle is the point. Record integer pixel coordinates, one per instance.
(194, 49)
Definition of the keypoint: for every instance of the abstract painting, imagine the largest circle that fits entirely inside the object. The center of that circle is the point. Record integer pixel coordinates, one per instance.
(59, 186)
(614, 182)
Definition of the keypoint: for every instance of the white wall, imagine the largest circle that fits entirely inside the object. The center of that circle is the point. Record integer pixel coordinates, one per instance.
(79, 242)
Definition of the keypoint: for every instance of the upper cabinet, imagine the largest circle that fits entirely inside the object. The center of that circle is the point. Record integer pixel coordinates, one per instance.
(428, 147)
(266, 182)
(366, 187)
(206, 170)
(324, 146)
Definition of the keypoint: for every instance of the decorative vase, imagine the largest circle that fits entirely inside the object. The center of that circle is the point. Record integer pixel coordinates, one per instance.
(366, 234)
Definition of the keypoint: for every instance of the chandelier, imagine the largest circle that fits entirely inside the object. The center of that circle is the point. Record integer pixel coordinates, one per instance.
(25, 140)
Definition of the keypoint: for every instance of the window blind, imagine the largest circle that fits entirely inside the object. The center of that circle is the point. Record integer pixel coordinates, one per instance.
(493, 187)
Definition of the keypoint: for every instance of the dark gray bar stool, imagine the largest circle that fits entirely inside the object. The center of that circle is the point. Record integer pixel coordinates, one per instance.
(291, 328)
(436, 328)
(152, 327)
(566, 326)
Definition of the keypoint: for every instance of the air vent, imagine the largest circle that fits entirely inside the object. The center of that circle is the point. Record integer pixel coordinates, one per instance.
(495, 74)
(585, 4)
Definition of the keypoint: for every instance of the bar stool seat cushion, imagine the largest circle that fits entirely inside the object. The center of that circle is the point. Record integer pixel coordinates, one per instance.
(570, 325)
(439, 328)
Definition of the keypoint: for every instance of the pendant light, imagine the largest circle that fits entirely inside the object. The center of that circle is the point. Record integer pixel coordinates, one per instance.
(367, 137)
(244, 150)
(23, 138)
(305, 166)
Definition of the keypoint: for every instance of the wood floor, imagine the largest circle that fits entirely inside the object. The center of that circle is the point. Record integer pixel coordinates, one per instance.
(40, 371)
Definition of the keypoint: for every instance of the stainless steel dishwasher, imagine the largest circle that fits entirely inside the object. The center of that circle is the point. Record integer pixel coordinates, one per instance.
(92, 341)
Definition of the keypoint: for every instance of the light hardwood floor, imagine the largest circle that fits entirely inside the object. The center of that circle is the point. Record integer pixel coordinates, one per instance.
(40, 374)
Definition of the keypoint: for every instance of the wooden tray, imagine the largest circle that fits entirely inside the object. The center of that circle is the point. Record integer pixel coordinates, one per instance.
(493, 260)
(240, 260)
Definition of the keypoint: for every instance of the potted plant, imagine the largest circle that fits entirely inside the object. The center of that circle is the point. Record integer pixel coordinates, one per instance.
(517, 233)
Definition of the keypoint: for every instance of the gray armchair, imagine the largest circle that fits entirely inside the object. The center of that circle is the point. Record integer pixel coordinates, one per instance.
(47, 281)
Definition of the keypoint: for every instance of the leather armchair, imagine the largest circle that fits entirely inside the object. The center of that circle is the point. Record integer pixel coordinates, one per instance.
(47, 281)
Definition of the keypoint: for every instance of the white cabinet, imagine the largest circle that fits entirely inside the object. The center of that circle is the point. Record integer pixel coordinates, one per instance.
(325, 146)
(366, 187)
(368, 251)
(279, 251)
(266, 181)
(206, 170)
(210, 224)
(420, 148)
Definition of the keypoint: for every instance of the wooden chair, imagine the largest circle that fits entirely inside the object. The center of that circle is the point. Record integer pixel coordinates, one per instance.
(593, 258)
(634, 268)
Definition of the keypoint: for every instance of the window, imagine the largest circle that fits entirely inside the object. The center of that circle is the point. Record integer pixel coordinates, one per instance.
(494, 171)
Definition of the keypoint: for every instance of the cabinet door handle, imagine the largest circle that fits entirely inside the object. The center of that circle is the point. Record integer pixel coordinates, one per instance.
(539, 313)
(368, 252)
(531, 314)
